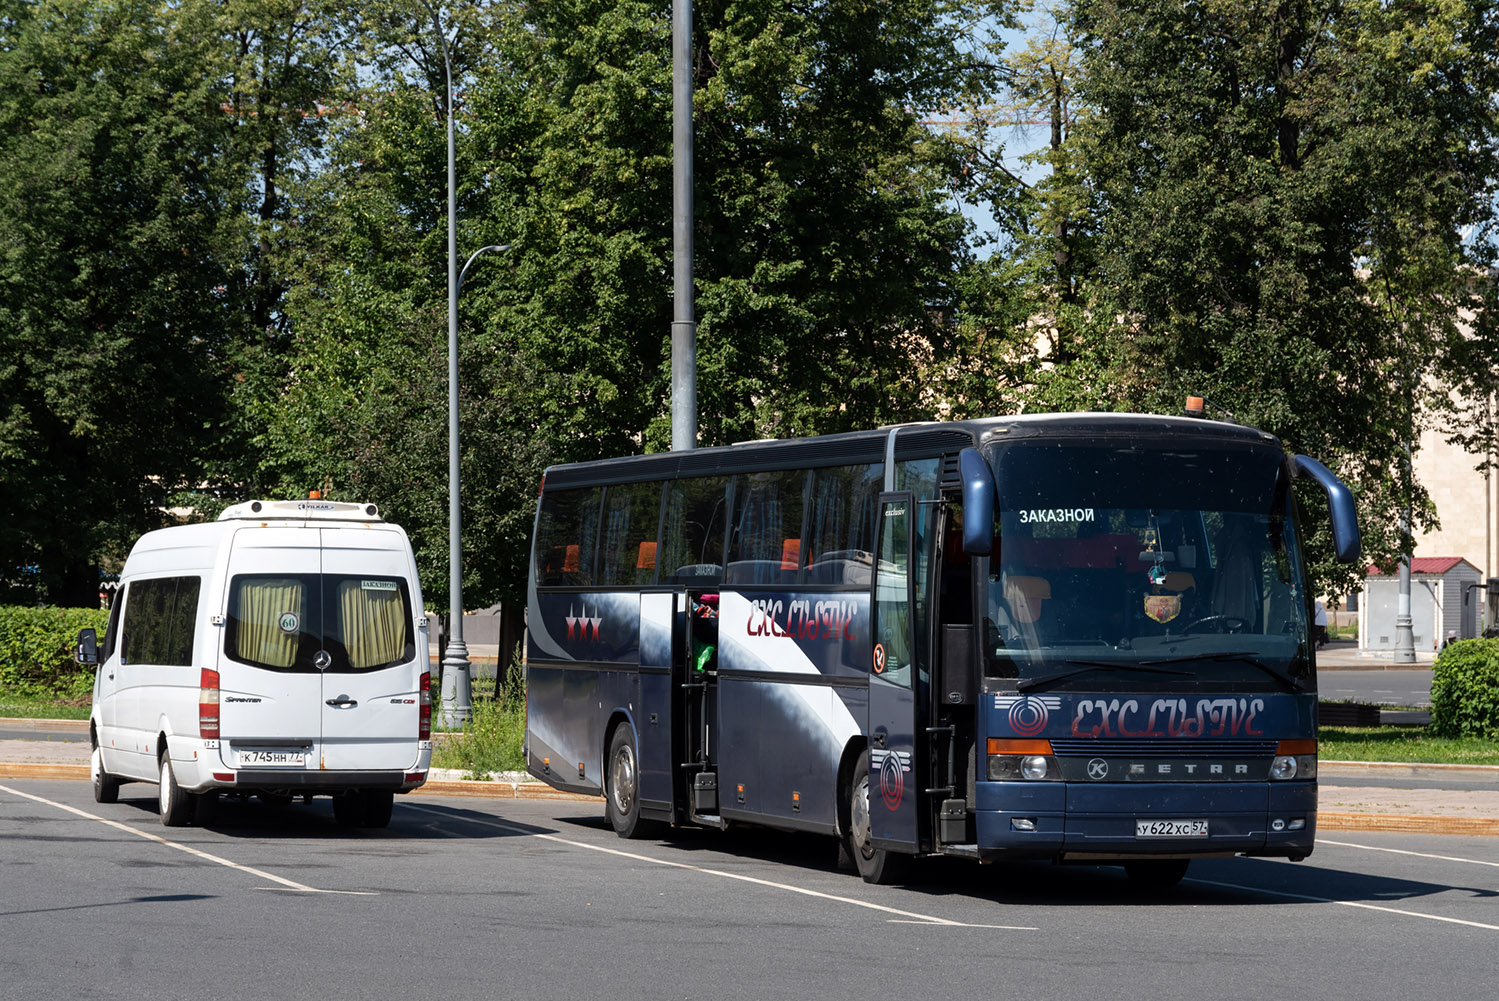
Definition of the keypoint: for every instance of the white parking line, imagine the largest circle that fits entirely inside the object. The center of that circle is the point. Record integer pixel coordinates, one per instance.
(901, 917)
(189, 849)
(1402, 851)
(1341, 903)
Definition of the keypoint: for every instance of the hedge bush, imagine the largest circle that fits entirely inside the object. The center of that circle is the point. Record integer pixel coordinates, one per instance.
(1465, 690)
(36, 651)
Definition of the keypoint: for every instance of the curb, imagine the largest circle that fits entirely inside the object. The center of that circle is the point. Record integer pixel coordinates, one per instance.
(1375, 822)
(461, 787)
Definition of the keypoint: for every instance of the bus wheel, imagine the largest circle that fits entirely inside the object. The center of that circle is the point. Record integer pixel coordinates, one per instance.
(622, 787)
(1156, 874)
(876, 865)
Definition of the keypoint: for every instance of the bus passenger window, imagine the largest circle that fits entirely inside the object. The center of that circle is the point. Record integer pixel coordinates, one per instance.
(692, 530)
(566, 537)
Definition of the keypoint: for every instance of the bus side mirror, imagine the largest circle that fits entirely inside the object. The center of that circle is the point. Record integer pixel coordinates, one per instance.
(1345, 539)
(978, 502)
(87, 650)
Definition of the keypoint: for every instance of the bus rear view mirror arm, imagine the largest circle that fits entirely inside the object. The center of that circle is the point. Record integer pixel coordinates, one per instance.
(978, 502)
(1340, 506)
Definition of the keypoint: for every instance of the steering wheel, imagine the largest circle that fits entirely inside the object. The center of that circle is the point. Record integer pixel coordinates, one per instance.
(1218, 624)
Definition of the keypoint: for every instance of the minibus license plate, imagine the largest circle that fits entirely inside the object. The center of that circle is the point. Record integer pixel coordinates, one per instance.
(251, 758)
(1171, 828)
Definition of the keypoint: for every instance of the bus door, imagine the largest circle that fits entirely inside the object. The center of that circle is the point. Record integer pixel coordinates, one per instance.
(894, 782)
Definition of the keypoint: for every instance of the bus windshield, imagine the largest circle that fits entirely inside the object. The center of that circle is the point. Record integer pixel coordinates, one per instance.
(1144, 568)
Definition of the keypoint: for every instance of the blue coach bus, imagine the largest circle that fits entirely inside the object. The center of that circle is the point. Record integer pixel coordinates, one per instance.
(1079, 637)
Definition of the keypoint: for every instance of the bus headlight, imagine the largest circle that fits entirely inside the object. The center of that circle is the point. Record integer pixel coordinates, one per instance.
(1294, 759)
(1022, 760)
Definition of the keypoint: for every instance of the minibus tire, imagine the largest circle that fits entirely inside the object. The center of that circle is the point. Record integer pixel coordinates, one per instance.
(622, 787)
(348, 809)
(205, 808)
(875, 865)
(106, 786)
(176, 806)
(378, 805)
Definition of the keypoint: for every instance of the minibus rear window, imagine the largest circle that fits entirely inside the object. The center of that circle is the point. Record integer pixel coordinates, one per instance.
(337, 623)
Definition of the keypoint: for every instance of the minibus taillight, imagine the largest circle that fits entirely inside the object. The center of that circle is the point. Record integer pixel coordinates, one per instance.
(208, 705)
(424, 728)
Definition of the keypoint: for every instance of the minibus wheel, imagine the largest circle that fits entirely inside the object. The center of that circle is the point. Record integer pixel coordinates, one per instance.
(876, 865)
(378, 805)
(106, 786)
(175, 805)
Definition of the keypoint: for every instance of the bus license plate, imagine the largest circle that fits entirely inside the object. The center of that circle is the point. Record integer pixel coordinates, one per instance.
(294, 759)
(1171, 828)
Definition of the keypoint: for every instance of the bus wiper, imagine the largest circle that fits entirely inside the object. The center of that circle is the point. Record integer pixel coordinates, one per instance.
(1084, 666)
(1293, 683)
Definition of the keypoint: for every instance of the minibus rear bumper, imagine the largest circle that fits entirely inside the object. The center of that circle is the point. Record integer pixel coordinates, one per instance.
(1068, 820)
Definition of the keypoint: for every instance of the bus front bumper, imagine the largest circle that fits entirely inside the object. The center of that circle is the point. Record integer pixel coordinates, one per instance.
(1101, 821)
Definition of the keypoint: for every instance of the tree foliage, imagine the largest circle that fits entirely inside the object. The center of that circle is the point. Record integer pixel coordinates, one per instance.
(1282, 198)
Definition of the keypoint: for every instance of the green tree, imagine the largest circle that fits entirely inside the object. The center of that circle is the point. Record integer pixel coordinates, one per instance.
(121, 255)
(1279, 193)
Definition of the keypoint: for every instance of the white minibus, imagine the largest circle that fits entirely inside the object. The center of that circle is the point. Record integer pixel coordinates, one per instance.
(279, 651)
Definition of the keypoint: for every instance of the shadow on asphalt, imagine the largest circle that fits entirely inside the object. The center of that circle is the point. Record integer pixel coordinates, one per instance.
(1250, 881)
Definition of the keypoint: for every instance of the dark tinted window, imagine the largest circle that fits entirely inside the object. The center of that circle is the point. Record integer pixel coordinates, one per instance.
(632, 513)
(566, 537)
(841, 523)
(693, 531)
(767, 545)
(160, 619)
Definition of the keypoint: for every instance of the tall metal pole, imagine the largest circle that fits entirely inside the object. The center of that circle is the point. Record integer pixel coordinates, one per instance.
(683, 324)
(1405, 637)
(457, 689)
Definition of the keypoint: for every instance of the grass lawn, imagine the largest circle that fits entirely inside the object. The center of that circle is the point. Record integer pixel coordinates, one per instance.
(24, 707)
(1402, 743)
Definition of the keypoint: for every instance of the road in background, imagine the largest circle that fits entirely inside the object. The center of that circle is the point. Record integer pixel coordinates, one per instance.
(536, 899)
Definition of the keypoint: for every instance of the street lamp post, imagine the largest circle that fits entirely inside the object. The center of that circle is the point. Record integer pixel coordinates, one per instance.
(457, 691)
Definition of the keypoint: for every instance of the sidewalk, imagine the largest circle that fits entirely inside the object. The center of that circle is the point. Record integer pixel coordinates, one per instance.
(1344, 655)
(1387, 806)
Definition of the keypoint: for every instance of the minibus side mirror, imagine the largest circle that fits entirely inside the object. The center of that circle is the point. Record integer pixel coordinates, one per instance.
(978, 502)
(87, 650)
(1345, 538)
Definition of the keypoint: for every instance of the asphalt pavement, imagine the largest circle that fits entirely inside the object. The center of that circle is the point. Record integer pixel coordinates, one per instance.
(1353, 796)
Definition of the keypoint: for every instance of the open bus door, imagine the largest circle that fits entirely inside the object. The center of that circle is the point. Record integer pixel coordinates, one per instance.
(894, 783)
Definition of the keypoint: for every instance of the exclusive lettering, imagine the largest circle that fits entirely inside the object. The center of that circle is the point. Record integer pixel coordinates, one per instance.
(1168, 717)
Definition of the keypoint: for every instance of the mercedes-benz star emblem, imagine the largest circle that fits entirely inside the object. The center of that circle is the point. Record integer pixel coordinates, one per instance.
(323, 660)
(1097, 768)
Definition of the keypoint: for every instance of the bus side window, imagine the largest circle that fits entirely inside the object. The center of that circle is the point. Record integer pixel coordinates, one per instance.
(766, 547)
(567, 535)
(632, 514)
(840, 524)
(692, 530)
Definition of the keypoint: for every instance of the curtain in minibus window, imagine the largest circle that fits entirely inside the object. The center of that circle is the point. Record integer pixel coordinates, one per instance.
(271, 613)
(374, 622)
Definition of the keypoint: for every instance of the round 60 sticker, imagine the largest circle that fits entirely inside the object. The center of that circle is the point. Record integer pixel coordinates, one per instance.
(879, 658)
(288, 622)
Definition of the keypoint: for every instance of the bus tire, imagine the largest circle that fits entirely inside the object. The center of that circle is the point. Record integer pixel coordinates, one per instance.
(1156, 874)
(622, 787)
(875, 865)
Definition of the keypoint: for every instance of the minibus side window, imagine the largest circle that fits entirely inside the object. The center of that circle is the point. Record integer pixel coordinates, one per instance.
(160, 621)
